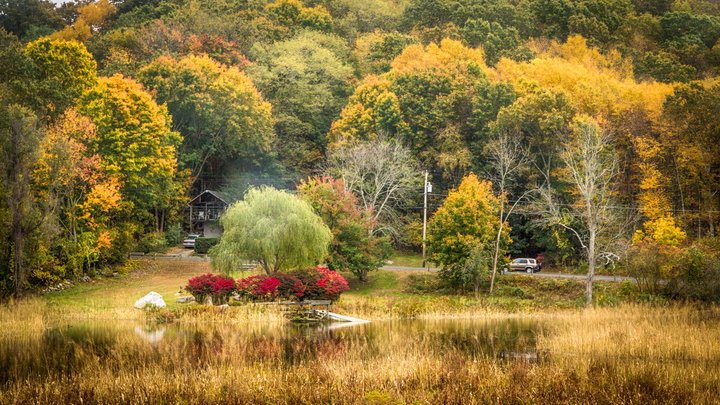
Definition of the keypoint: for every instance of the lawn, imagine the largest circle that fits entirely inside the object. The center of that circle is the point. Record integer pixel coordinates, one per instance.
(116, 296)
(386, 294)
(407, 259)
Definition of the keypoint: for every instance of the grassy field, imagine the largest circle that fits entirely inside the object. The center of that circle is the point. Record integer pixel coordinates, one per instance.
(630, 354)
(387, 294)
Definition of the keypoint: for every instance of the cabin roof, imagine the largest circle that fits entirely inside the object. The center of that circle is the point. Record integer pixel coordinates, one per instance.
(217, 194)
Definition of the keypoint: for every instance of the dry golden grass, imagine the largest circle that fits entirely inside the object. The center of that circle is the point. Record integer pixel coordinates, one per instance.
(673, 333)
(71, 347)
(628, 354)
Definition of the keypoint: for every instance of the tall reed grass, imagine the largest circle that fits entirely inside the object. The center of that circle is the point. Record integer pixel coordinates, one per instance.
(629, 354)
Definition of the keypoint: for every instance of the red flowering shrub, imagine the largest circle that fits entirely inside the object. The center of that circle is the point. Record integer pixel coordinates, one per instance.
(222, 289)
(315, 283)
(290, 286)
(322, 283)
(200, 287)
(218, 287)
(259, 287)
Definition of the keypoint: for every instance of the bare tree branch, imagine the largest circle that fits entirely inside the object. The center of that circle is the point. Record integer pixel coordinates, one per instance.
(591, 167)
(383, 174)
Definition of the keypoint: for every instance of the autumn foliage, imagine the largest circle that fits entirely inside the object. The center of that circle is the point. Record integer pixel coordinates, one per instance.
(115, 113)
(466, 221)
(354, 247)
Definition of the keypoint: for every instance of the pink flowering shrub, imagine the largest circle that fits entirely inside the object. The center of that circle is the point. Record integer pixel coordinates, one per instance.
(218, 287)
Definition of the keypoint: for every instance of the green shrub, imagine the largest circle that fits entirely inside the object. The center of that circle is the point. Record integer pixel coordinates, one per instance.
(123, 241)
(174, 235)
(152, 242)
(422, 284)
(513, 291)
(203, 245)
(677, 273)
(650, 264)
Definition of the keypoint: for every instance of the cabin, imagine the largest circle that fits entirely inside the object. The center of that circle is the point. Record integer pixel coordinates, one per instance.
(204, 212)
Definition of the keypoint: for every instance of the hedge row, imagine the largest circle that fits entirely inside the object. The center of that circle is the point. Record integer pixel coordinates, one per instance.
(202, 245)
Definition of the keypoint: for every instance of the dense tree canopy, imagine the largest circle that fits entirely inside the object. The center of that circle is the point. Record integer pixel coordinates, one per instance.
(217, 110)
(354, 247)
(305, 80)
(135, 106)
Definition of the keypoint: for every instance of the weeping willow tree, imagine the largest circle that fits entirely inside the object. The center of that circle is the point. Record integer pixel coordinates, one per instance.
(274, 228)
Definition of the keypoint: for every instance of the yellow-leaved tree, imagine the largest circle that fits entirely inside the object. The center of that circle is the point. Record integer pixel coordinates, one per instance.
(659, 226)
(91, 18)
(599, 85)
(137, 146)
(462, 232)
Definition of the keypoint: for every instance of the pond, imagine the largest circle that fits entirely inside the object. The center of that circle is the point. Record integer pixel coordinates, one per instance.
(65, 349)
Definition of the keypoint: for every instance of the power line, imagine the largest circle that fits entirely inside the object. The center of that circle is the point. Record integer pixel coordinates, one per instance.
(611, 207)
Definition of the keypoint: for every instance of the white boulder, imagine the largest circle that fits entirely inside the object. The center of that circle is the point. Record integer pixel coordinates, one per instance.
(151, 298)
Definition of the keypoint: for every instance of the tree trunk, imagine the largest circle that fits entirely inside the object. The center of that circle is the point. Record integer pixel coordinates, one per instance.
(73, 226)
(591, 267)
(496, 253)
(18, 270)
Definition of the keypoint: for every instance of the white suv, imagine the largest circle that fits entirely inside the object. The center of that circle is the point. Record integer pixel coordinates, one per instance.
(524, 264)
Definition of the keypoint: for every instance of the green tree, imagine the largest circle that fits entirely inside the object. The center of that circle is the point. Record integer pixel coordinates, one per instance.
(467, 220)
(305, 79)
(136, 144)
(353, 248)
(496, 40)
(601, 21)
(22, 17)
(664, 68)
(20, 137)
(274, 228)
(61, 72)
(217, 109)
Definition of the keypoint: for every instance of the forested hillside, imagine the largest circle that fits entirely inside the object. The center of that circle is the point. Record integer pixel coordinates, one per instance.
(115, 113)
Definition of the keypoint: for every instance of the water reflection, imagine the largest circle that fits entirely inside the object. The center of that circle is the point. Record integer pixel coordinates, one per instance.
(153, 333)
(64, 349)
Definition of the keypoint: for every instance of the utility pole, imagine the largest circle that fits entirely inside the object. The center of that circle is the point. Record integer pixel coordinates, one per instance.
(426, 188)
